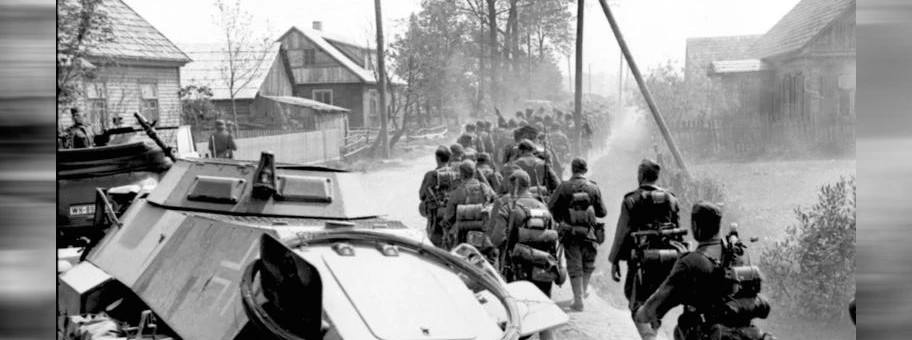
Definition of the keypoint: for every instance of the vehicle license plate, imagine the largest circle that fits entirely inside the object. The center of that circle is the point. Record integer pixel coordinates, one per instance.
(84, 209)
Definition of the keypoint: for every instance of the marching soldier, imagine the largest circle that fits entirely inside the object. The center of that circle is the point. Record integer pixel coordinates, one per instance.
(576, 204)
(544, 180)
(698, 282)
(522, 230)
(486, 169)
(469, 192)
(434, 192)
(649, 207)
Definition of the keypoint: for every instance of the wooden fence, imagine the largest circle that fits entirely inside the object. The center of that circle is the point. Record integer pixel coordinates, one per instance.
(718, 139)
(302, 147)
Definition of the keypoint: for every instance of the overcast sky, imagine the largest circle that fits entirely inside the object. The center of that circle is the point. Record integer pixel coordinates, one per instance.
(656, 30)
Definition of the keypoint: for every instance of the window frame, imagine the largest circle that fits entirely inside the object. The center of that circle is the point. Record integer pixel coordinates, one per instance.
(91, 88)
(143, 101)
(312, 53)
(313, 94)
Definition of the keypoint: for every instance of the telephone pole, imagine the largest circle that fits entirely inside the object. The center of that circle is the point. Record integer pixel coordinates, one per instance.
(381, 83)
(578, 96)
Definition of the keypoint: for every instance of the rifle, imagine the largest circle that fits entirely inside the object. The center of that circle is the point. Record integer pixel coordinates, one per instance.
(150, 130)
(507, 269)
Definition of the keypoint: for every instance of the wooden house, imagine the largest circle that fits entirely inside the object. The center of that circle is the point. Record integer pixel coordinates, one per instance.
(802, 69)
(335, 71)
(263, 102)
(137, 72)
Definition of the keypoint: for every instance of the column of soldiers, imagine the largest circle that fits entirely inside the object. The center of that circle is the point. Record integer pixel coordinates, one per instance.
(503, 196)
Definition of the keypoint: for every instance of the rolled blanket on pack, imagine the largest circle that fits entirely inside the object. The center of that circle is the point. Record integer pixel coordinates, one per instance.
(533, 256)
(535, 236)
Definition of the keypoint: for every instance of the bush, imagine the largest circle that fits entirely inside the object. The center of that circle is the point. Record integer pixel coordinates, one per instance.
(811, 273)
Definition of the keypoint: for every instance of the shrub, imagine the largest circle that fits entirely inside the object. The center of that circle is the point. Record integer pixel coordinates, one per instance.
(811, 273)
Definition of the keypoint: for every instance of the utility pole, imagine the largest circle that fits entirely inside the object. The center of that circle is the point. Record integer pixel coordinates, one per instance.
(643, 88)
(578, 96)
(621, 83)
(381, 83)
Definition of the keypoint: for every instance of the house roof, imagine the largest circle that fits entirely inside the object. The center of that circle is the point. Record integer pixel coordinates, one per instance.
(311, 104)
(737, 66)
(701, 52)
(797, 28)
(209, 60)
(135, 38)
(325, 43)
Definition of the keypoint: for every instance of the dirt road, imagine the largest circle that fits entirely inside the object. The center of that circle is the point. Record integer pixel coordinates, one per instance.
(395, 184)
(760, 195)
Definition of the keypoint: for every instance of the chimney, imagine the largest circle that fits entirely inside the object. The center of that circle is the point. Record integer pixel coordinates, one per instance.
(317, 26)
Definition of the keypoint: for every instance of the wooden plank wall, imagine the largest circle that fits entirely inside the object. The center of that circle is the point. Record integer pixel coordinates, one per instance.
(303, 147)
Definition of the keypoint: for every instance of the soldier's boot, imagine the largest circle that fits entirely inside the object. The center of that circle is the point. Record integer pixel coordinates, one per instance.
(646, 331)
(586, 277)
(576, 283)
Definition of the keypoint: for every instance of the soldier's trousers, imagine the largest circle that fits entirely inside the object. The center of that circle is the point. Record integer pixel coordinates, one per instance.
(638, 289)
(435, 231)
(580, 257)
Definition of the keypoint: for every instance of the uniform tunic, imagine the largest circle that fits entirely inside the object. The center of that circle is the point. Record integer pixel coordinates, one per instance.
(580, 252)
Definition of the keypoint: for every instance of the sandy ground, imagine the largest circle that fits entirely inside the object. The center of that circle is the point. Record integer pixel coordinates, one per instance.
(760, 196)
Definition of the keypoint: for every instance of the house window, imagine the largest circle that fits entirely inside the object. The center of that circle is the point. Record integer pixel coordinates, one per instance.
(97, 102)
(148, 94)
(323, 96)
(310, 57)
(296, 58)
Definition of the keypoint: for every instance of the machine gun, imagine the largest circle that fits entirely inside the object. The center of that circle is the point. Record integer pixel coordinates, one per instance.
(150, 130)
(745, 278)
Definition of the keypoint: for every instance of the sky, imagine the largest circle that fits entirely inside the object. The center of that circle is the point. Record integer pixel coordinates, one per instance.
(655, 30)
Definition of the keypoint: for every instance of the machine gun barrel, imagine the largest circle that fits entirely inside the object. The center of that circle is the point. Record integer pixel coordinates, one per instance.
(147, 127)
(661, 232)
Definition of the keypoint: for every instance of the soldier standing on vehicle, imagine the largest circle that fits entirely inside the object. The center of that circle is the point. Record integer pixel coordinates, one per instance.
(649, 207)
(434, 191)
(576, 204)
(522, 230)
(712, 306)
(471, 195)
(221, 142)
(80, 135)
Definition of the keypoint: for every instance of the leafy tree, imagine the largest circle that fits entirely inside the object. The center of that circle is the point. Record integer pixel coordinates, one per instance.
(244, 52)
(666, 83)
(82, 26)
(196, 106)
(811, 272)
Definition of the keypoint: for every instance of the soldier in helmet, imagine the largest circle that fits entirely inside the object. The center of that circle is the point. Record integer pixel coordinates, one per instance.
(433, 193)
(544, 180)
(576, 204)
(649, 207)
(470, 191)
(522, 230)
(697, 283)
(221, 142)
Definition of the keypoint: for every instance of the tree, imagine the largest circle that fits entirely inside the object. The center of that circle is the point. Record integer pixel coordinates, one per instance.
(666, 82)
(196, 105)
(244, 52)
(82, 26)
